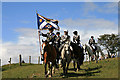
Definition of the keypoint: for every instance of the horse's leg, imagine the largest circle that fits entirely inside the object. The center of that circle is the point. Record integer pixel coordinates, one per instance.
(58, 58)
(89, 58)
(48, 72)
(96, 58)
(74, 65)
(51, 68)
(57, 63)
(78, 65)
(45, 70)
(64, 66)
(61, 64)
(67, 68)
(68, 62)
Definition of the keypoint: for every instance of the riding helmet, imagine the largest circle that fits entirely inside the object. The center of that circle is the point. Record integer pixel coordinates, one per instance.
(65, 30)
(92, 36)
(75, 32)
(57, 32)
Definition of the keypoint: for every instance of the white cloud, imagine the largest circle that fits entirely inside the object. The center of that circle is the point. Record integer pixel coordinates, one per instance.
(27, 45)
(107, 8)
(89, 6)
(88, 27)
(88, 23)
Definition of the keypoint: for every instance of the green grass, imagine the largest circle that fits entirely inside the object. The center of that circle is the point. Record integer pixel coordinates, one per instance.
(104, 69)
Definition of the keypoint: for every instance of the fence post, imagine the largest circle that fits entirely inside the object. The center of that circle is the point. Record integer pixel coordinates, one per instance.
(29, 59)
(10, 60)
(38, 59)
(20, 60)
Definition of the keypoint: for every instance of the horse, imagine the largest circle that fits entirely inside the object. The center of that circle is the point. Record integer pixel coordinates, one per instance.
(49, 56)
(66, 57)
(89, 51)
(92, 52)
(78, 55)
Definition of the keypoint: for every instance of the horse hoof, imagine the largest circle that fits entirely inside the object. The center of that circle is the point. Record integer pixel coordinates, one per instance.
(63, 76)
(46, 75)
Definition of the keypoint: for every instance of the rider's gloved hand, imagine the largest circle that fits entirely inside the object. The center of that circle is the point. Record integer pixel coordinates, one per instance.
(40, 33)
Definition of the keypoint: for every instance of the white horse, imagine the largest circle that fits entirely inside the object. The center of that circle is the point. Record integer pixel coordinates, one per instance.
(66, 57)
(91, 53)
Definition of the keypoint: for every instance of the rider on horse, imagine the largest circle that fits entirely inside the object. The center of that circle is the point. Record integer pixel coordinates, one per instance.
(50, 39)
(64, 39)
(92, 43)
(76, 38)
(57, 45)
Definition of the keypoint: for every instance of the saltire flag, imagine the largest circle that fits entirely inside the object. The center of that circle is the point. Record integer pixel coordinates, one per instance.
(45, 23)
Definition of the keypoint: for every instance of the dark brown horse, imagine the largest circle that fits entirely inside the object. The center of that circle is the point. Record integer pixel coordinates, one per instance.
(78, 55)
(49, 56)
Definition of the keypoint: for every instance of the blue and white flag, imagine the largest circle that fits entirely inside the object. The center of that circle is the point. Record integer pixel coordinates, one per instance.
(45, 23)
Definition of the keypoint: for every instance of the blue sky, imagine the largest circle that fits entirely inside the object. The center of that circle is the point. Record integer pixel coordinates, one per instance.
(19, 26)
(16, 15)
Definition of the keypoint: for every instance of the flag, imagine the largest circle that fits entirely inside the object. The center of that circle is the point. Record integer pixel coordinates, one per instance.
(45, 23)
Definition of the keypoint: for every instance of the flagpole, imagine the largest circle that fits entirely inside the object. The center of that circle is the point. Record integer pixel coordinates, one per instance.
(39, 39)
(40, 42)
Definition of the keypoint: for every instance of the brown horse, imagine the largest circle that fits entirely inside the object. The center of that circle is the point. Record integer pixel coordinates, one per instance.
(49, 56)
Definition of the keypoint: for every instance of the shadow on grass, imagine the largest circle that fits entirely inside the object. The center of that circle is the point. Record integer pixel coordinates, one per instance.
(89, 69)
(8, 66)
(95, 68)
(88, 72)
(82, 74)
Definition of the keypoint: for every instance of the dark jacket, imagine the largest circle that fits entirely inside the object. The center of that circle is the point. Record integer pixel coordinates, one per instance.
(91, 41)
(65, 38)
(57, 41)
(50, 37)
(76, 39)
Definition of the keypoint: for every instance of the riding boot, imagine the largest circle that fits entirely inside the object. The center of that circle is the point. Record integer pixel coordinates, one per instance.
(42, 57)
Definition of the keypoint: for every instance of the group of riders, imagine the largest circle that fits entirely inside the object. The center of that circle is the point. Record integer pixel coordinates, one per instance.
(58, 41)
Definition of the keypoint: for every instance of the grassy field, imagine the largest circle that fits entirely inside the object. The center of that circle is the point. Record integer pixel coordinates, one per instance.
(104, 69)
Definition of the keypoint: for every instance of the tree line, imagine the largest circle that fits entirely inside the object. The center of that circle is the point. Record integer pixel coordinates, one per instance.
(110, 42)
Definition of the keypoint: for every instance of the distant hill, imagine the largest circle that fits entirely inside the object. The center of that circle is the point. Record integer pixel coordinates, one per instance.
(107, 68)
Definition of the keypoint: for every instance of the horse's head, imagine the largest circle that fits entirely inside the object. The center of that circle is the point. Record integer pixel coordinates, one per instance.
(85, 47)
(67, 48)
